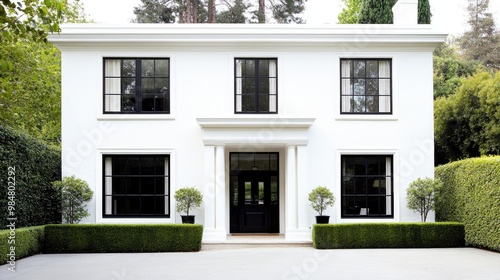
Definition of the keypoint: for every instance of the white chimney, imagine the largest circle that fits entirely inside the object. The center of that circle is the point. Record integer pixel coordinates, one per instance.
(405, 12)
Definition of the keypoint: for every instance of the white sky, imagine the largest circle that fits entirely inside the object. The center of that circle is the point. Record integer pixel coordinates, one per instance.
(448, 15)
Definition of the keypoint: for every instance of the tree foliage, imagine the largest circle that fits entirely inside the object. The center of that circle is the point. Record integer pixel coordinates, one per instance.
(187, 199)
(378, 12)
(350, 12)
(450, 70)
(30, 89)
(467, 123)
(230, 11)
(482, 41)
(320, 198)
(75, 193)
(421, 196)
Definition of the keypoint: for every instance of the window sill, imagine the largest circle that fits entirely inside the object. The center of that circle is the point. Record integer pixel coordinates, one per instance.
(133, 117)
(366, 118)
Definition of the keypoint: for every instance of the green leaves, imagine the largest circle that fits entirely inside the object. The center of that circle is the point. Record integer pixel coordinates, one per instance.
(471, 194)
(467, 123)
(421, 195)
(187, 199)
(320, 198)
(75, 194)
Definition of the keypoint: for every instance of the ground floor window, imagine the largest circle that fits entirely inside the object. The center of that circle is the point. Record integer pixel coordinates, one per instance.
(367, 186)
(136, 186)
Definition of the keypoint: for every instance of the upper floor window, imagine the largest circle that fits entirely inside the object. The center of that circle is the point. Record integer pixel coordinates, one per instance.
(136, 85)
(367, 186)
(256, 87)
(366, 86)
(136, 186)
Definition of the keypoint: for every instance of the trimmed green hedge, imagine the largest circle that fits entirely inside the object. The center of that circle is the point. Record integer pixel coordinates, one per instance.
(471, 195)
(388, 235)
(122, 238)
(36, 166)
(28, 241)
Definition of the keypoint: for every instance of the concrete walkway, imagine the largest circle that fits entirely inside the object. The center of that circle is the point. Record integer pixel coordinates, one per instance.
(260, 262)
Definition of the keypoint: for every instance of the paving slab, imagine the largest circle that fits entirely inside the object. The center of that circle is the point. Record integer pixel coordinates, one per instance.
(260, 262)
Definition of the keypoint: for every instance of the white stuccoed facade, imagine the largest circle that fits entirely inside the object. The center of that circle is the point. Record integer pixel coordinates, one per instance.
(309, 132)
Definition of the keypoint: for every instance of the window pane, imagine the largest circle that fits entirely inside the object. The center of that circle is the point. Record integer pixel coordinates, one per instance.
(148, 205)
(134, 185)
(249, 68)
(372, 87)
(372, 69)
(148, 68)
(128, 86)
(148, 185)
(359, 69)
(248, 86)
(262, 161)
(119, 185)
(274, 162)
(348, 206)
(264, 86)
(264, 68)
(360, 185)
(384, 69)
(160, 205)
(234, 161)
(272, 103)
(264, 103)
(120, 205)
(359, 104)
(112, 85)
(148, 85)
(161, 85)
(384, 104)
(347, 87)
(274, 190)
(128, 104)
(161, 68)
(248, 103)
(128, 69)
(359, 86)
(346, 66)
(246, 161)
(372, 104)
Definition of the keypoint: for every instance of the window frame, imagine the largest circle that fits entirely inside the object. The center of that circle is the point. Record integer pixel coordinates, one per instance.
(166, 157)
(391, 86)
(257, 78)
(367, 195)
(138, 93)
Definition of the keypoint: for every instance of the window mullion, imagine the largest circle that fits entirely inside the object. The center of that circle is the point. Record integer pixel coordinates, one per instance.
(138, 86)
(256, 85)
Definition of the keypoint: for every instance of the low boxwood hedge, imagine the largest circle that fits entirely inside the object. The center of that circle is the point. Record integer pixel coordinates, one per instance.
(103, 238)
(27, 242)
(471, 195)
(388, 235)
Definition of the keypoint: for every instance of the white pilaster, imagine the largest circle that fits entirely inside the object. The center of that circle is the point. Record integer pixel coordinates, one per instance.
(291, 190)
(220, 189)
(303, 188)
(213, 198)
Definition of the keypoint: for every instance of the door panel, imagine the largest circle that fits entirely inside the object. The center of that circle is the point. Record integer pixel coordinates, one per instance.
(254, 210)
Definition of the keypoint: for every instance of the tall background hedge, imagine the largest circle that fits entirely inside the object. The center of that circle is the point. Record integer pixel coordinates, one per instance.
(471, 195)
(36, 165)
(380, 12)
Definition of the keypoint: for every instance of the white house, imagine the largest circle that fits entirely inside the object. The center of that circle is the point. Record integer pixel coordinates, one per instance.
(255, 116)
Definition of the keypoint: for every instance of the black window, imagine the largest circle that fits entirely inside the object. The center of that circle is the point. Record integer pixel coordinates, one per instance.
(367, 186)
(366, 86)
(136, 86)
(136, 186)
(256, 85)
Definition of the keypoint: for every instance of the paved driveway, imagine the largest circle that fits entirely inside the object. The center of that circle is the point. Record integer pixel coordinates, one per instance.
(264, 262)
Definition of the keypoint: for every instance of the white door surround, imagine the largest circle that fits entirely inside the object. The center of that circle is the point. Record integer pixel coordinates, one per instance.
(251, 134)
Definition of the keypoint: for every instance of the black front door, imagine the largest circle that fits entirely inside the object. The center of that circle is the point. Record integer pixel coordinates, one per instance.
(254, 201)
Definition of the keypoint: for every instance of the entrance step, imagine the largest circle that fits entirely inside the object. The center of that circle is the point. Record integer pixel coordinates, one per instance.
(254, 240)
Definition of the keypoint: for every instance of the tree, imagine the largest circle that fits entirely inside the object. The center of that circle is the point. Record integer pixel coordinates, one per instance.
(75, 193)
(187, 199)
(482, 41)
(30, 90)
(380, 11)
(467, 123)
(320, 198)
(350, 12)
(171, 11)
(29, 19)
(288, 11)
(450, 70)
(421, 196)
(235, 12)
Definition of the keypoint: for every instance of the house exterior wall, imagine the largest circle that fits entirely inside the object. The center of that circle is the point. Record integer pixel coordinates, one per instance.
(202, 87)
